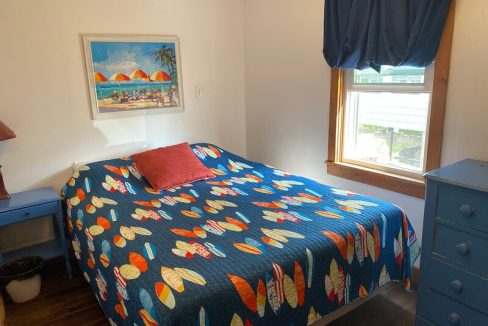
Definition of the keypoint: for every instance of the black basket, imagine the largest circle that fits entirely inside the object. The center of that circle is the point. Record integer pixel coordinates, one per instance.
(21, 269)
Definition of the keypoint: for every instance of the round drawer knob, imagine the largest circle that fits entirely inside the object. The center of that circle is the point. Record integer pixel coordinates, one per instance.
(454, 319)
(463, 248)
(456, 286)
(466, 210)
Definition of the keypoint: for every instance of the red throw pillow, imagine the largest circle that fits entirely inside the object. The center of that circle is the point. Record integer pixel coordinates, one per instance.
(171, 166)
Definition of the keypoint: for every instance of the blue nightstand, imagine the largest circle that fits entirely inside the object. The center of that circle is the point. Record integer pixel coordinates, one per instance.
(32, 204)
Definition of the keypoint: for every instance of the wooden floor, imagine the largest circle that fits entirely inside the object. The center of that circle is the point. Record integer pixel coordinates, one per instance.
(63, 301)
(394, 307)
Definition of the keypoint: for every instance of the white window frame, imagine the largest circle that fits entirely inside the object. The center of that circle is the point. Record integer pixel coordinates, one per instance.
(425, 87)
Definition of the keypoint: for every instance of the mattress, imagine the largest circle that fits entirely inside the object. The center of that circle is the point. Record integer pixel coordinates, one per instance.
(254, 246)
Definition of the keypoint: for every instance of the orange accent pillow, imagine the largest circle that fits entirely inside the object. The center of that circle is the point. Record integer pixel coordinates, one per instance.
(171, 166)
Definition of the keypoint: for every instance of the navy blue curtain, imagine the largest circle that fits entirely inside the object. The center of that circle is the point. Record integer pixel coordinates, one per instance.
(371, 33)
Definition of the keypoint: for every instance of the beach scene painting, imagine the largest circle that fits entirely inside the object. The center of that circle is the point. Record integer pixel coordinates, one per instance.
(133, 74)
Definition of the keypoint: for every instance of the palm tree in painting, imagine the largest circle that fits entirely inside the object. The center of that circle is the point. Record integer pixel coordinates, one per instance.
(167, 57)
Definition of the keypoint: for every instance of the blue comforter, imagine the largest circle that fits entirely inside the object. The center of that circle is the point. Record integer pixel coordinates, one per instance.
(253, 246)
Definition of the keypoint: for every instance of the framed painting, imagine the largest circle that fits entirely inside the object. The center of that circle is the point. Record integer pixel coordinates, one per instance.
(133, 74)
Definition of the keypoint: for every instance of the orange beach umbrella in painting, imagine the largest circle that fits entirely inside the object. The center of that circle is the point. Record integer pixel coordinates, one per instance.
(99, 78)
(139, 74)
(160, 76)
(118, 77)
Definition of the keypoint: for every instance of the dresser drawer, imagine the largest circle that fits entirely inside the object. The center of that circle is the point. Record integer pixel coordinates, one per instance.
(461, 247)
(463, 206)
(443, 311)
(458, 284)
(28, 212)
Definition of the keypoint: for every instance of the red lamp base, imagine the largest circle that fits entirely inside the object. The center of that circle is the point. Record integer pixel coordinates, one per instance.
(3, 192)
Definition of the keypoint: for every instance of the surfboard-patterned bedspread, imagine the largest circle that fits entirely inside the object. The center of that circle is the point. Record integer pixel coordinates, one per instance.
(253, 246)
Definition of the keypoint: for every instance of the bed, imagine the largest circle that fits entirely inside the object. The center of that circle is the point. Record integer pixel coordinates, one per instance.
(254, 246)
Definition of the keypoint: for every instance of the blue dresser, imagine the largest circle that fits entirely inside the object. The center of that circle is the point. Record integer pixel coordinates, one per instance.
(453, 288)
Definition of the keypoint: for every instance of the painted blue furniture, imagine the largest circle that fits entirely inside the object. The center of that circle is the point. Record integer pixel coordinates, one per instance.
(454, 264)
(32, 204)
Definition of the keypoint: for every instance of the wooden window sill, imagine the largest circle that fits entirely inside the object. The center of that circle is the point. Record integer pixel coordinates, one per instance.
(405, 185)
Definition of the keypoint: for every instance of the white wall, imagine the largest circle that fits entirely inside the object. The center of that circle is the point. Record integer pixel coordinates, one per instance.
(286, 83)
(465, 131)
(287, 92)
(44, 96)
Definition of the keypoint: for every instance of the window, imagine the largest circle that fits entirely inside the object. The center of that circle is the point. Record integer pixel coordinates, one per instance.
(385, 129)
(385, 118)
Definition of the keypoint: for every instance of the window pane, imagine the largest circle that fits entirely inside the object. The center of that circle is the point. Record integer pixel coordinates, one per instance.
(390, 75)
(386, 128)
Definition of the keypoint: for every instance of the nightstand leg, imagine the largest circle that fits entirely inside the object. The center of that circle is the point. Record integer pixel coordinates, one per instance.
(62, 236)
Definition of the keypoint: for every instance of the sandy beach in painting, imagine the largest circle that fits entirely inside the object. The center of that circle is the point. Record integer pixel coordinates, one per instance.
(106, 106)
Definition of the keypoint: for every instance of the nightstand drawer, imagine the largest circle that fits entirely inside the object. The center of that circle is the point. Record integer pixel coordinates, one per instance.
(458, 284)
(443, 311)
(463, 206)
(22, 214)
(461, 247)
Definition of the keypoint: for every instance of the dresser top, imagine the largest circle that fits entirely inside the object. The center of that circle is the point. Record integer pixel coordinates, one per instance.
(28, 198)
(467, 173)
